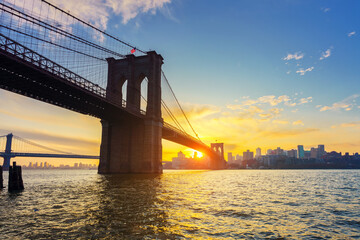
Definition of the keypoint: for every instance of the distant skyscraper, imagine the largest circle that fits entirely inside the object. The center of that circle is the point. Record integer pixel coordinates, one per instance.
(279, 151)
(258, 152)
(292, 153)
(179, 161)
(230, 157)
(301, 153)
(248, 155)
(313, 153)
(321, 151)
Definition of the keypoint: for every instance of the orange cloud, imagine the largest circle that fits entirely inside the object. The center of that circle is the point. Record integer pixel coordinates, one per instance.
(298, 122)
(347, 104)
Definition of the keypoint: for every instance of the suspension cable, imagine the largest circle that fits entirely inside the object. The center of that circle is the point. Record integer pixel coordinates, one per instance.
(57, 30)
(40, 146)
(93, 27)
(180, 106)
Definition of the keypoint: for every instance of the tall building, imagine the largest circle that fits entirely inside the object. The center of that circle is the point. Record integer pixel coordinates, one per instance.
(321, 151)
(313, 153)
(258, 152)
(292, 153)
(230, 157)
(279, 151)
(248, 155)
(179, 161)
(301, 153)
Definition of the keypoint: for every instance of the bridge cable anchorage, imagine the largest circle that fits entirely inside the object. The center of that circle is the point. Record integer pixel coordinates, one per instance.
(163, 74)
(40, 146)
(93, 27)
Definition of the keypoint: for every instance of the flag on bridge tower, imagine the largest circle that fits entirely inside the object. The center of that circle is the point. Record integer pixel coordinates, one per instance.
(133, 50)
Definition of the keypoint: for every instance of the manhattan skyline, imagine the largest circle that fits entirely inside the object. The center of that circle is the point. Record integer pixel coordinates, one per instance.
(281, 76)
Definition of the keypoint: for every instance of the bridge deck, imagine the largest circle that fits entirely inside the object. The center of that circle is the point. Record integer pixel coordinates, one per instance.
(46, 155)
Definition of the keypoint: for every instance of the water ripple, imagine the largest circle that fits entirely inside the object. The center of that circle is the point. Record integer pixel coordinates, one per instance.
(232, 204)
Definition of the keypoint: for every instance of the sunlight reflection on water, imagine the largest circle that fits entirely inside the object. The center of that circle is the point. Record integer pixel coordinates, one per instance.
(294, 204)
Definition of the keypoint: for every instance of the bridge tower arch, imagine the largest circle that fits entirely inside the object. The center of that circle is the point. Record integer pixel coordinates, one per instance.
(218, 163)
(134, 145)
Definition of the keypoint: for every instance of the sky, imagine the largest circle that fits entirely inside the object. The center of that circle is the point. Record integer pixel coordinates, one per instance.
(248, 73)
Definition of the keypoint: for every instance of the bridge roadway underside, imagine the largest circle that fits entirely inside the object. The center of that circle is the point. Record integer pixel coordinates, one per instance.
(24, 78)
(173, 136)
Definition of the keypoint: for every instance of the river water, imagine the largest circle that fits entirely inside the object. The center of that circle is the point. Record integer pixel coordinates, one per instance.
(229, 204)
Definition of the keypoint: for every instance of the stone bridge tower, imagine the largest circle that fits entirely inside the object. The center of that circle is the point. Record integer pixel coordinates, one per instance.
(219, 162)
(133, 145)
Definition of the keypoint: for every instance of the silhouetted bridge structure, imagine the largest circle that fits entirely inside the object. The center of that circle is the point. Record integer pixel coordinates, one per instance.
(52, 56)
(26, 148)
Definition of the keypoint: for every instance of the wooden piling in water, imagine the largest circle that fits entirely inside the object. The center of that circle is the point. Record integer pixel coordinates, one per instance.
(1, 178)
(15, 178)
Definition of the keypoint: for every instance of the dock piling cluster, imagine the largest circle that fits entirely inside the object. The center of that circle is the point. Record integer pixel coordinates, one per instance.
(15, 178)
(1, 178)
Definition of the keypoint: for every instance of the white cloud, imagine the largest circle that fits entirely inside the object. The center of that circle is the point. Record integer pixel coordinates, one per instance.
(325, 54)
(98, 12)
(129, 9)
(351, 34)
(296, 56)
(325, 9)
(347, 104)
(270, 100)
(302, 71)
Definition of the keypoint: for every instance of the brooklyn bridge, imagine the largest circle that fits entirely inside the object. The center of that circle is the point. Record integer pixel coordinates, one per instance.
(52, 56)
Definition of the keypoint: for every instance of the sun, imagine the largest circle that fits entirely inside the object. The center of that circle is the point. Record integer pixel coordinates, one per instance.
(199, 154)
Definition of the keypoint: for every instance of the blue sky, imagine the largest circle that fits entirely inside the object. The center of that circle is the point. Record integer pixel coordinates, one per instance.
(249, 73)
(219, 52)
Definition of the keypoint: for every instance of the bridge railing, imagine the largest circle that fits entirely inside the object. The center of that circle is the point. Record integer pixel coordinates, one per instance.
(22, 52)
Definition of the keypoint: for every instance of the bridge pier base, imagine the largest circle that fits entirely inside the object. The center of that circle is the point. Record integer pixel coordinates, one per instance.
(130, 147)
